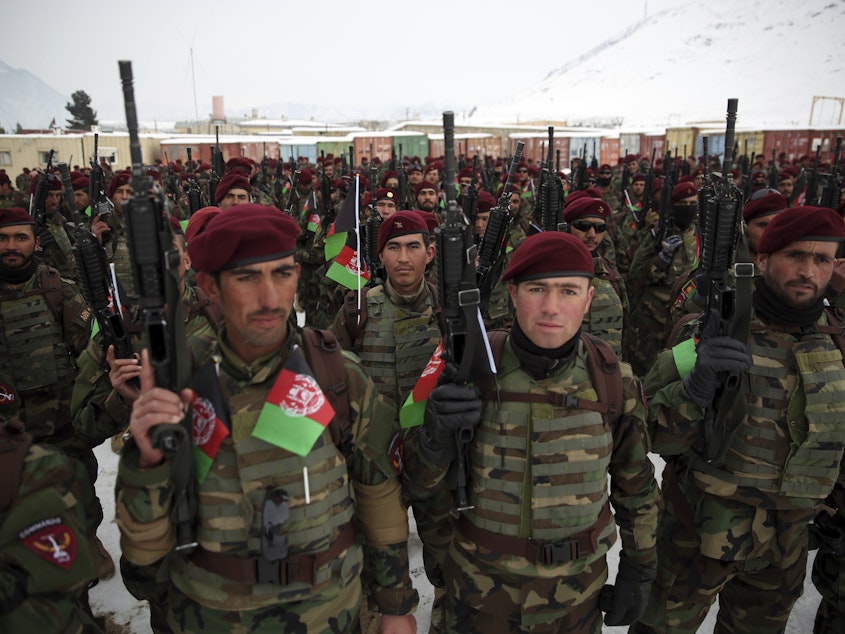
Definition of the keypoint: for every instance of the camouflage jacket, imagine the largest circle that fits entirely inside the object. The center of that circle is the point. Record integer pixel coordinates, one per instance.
(39, 346)
(786, 452)
(46, 557)
(229, 517)
(520, 453)
(98, 410)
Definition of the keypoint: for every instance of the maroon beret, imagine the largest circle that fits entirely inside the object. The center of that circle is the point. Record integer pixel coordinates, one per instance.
(15, 216)
(758, 174)
(388, 174)
(579, 194)
(638, 178)
(154, 174)
(605, 168)
(429, 219)
(386, 193)
(424, 185)
(175, 225)
(363, 183)
(594, 192)
(465, 173)
(784, 176)
(80, 182)
(801, 223)
(376, 160)
(239, 163)
(232, 180)
(686, 178)
(243, 234)
(763, 202)
(586, 206)
(486, 202)
(401, 223)
(306, 177)
(4, 178)
(431, 168)
(792, 170)
(341, 183)
(683, 190)
(118, 180)
(205, 167)
(367, 198)
(198, 220)
(550, 254)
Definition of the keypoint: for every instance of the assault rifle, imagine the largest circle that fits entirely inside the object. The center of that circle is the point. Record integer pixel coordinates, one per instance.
(831, 190)
(293, 195)
(38, 201)
(594, 161)
(459, 299)
(402, 179)
(326, 196)
(470, 199)
(279, 184)
(217, 167)
(719, 236)
(666, 221)
(626, 174)
(491, 250)
(685, 166)
(155, 269)
(773, 172)
(377, 275)
(100, 204)
(194, 191)
(811, 196)
(551, 193)
(95, 284)
(579, 173)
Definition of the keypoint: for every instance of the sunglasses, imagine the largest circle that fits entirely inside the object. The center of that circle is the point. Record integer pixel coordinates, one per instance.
(583, 225)
(524, 171)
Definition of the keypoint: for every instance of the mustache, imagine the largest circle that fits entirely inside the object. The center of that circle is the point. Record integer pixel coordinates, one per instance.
(268, 313)
(11, 252)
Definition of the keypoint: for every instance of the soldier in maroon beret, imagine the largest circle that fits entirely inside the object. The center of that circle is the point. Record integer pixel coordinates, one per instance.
(758, 212)
(427, 196)
(233, 189)
(80, 186)
(786, 186)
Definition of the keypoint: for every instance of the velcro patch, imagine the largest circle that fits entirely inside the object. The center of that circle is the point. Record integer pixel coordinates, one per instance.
(51, 540)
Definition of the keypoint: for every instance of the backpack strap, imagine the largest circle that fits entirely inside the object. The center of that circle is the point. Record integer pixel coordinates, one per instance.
(210, 310)
(323, 353)
(14, 445)
(604, 372)
(50, 287)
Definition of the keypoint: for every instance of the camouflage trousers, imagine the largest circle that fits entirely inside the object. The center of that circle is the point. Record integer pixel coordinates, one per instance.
(336, 616)
(755, 595)
(829, 579)
(481, 598)
(141, 583)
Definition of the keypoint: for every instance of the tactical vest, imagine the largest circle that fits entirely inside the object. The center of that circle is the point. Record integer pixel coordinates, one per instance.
(119, 256)
(397, 344)
(605, 317)
(32, 347)
(233, 497)
(793, 436)
(61, 249)
(550, 456)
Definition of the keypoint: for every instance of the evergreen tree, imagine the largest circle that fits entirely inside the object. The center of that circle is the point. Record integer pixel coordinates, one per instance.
(83, 115)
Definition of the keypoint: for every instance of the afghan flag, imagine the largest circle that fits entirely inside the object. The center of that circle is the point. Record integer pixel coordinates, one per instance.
(310, 210)
(209, 424)
(411, 413)
(348, 269)
(345, 223)
(296, 412)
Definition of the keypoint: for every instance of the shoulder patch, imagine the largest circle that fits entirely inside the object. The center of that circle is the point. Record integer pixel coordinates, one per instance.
(7, 395)
(51, 540)
(396, 453)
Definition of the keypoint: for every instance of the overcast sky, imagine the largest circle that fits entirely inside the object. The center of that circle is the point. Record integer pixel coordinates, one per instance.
(321, 51)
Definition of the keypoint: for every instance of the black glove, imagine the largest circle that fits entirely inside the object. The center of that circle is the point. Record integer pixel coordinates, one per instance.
(451, 409)
(626, 600)
(714, 355)
(45, 238)
(669, 247)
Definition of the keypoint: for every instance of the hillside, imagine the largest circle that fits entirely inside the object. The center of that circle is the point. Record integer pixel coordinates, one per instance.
(681, 65)
(27, 100)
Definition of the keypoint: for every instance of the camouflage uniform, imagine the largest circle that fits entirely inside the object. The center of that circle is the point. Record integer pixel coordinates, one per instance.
(38, 350)
(399, 337)
(46, 556)
(499, 310)
(229, 516)
(116, 244)
(310, 255)
(13, 199)
(829, 568)
(737, 529)
(55, 247)
(517, 461)
(650, 282)
(605, 319)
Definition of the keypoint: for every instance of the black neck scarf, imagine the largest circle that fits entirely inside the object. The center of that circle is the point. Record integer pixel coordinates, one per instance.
(539, 362)
(774, 310)
(18, 276)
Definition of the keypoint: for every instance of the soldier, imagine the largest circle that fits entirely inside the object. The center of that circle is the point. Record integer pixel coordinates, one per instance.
(233, 189)
(428, 197)
(603, 183)
(277, 548)
(46, 554)
(111, 233)
(395, 341)
(499, 311)
(24, 180)
(44, 326)
(758, 212)
(81, 197)
(587, 219)
(739, 497)
(654, 270)
(786, 186)
(8, 196)
(54, 244)
(529, 555)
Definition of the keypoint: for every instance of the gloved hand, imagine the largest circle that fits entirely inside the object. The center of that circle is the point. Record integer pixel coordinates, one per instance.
(450, 409)
(714, 355)
(626, 600)
(669, 247)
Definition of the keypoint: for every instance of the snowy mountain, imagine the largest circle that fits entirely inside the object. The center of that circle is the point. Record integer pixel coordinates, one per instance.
(27, 100)
(680, 66)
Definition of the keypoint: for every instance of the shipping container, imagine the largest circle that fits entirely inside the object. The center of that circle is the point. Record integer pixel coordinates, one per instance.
(610, 150)
(536, 146)
(372, 145)
(681, 141)
(629, 143)
(467, 144)
(787, 143)
(652, 145)
(410, 144)
(202, 145)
